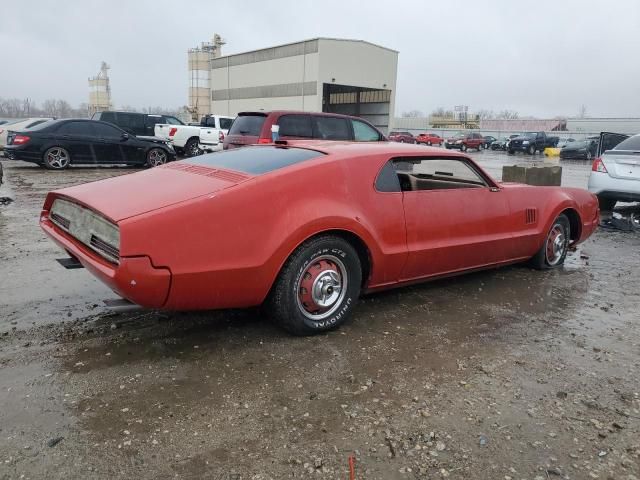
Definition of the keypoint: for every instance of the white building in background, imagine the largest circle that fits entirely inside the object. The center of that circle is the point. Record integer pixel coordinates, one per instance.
(352, 77)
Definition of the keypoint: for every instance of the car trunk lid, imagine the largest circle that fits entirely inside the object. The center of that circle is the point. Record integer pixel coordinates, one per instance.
(622, 164)
(126, 196)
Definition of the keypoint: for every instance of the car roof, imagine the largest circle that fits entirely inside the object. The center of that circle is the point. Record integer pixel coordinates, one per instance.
(341, 148)
(296, 112)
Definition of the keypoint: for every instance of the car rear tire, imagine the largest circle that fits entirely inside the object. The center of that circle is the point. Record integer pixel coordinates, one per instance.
(589, 156)
(606, 204)
(531, 150)
(317, 288)
(402, 140)
(554, 249)
(463, 147)
(429, 143)
(156, 157)
(191, 148)
(56, 158)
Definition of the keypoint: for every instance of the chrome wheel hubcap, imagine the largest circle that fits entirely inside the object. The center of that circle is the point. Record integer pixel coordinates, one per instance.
(157, 157)
(322, 287)
(556, 244)
(57, 158)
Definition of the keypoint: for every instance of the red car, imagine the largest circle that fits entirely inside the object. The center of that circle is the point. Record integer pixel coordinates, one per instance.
(429, 139)
(402, 137)
(464, 141)
(305, 228)
(250, 128)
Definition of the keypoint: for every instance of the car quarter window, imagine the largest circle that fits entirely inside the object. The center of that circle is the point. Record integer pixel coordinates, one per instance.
(295, 126)
(173, 121)
(363, 132)
(76, 128)
(431, 173)
(331, 128)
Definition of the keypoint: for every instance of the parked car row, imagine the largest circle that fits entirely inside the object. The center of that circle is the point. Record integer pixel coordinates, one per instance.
(56, 144)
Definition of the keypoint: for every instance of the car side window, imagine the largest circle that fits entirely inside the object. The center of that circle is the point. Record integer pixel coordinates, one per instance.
(387, 180)
(417, 174)
(331, 128)
(363, 132)
(106, 131)
(76, 128)
(152, 120)
(295, 126)
(173, 121)
(105, 117)
(225, 123)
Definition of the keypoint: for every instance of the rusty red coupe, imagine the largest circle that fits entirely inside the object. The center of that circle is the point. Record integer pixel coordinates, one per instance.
(306, 227)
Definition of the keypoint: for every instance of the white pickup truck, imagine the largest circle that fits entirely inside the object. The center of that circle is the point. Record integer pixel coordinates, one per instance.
(195, 139)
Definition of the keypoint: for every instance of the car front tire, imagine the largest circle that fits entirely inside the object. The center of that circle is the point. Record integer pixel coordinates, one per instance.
(531, 150)
(156, 157)
(555, 247)
(317, 288)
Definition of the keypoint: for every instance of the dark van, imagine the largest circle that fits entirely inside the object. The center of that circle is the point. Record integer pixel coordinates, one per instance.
(140, 124)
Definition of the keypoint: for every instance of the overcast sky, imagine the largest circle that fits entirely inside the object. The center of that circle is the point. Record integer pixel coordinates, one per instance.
(539, 58)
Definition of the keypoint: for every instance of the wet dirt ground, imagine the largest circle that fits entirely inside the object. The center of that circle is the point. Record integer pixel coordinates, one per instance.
(505, 374)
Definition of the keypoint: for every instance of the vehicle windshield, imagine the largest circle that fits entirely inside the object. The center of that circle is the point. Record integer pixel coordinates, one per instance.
(530, 135)
(579, 144)
(256, 159)
(247, 125)
(632, 143)
(460, 135)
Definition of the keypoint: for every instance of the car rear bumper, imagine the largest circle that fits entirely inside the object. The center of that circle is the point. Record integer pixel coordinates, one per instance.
(604, 185)
(210, 147)
(20, 152)
(135, 278)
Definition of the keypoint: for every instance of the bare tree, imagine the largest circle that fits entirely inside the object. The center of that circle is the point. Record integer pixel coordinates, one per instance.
(413, 114)
(441, 112)
(50, 108)
(486, 114)
(508, 115)
(63, 108)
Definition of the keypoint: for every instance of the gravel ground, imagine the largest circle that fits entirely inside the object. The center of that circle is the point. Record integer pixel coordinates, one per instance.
(505, 374)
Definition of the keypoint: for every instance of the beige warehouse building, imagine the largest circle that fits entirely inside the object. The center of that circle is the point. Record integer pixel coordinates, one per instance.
(320, 75)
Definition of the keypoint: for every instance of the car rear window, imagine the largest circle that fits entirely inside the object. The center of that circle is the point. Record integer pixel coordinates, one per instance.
(256, 159)
(631, 143)
(247, 125)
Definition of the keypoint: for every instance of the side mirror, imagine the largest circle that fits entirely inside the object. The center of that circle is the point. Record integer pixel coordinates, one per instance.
(125, 136)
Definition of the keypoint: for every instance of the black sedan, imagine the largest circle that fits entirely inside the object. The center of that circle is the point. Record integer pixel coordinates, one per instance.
(580, 150)
(488, 141)
(56, 144)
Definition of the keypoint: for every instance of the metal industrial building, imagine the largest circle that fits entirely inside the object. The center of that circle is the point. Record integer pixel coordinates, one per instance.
(353, 77)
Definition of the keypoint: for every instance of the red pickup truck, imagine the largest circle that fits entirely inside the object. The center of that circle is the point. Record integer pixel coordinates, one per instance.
(429, 139)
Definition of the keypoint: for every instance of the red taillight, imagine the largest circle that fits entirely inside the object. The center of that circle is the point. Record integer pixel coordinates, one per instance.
(264, 140)
(172, 131)
(220, 136)
(598, 166)
(20, 139)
